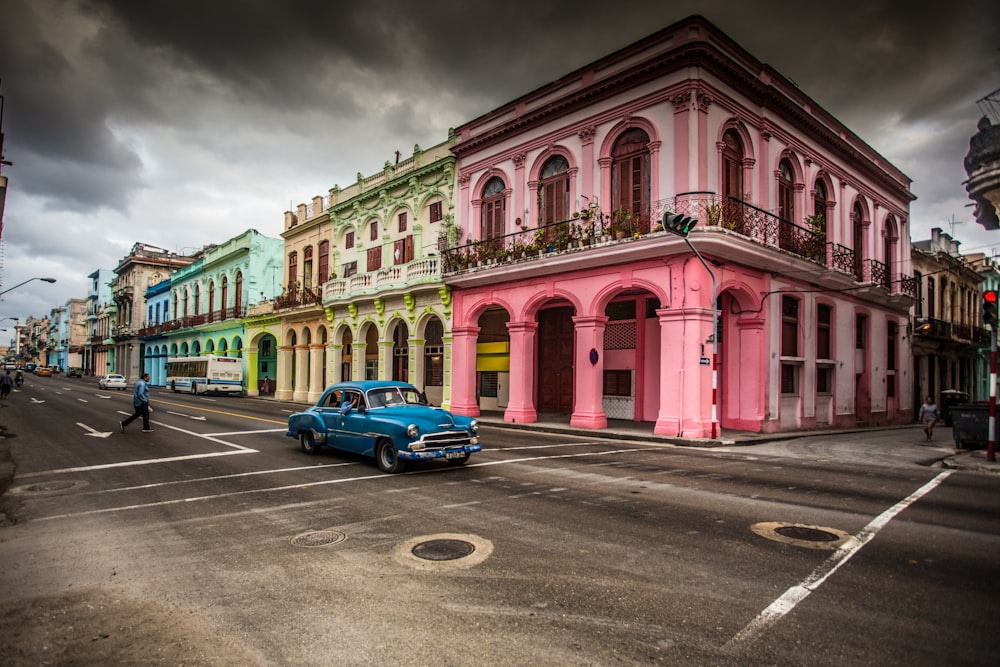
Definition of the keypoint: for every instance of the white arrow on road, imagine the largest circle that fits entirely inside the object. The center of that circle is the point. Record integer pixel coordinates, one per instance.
(94, 432)
(181, 414)
(35, 400)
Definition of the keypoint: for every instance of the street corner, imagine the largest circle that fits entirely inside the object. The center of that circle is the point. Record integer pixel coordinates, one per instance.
(972, 460)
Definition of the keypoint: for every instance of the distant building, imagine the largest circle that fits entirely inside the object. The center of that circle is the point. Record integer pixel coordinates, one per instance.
(947, 329)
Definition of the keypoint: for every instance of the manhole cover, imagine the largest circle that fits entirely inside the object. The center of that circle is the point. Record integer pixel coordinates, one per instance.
(801, 535)
(318, 538)
(443, 549)
(806, 533)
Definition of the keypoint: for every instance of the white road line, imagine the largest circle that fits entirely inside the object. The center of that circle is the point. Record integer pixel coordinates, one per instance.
(197, 435)
(216, 478)
(784, 604)
(126, 464)
(306, 485)
(269, 430)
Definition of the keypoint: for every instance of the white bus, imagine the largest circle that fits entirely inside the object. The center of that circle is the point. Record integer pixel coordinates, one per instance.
(205, 373)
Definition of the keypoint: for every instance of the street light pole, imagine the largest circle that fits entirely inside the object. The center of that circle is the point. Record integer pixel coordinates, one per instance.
(47, 280)
(681, 225)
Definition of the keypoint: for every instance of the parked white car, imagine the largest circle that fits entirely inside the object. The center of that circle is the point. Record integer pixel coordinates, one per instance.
(112, 381)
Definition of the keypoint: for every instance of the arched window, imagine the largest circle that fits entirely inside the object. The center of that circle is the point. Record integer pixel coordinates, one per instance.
(211, 298)
(858, 238)
(630, 179)
(555, 190)
(494, 209)
(238, 297)
(820, 207)
(293, 270)
(224, 301)
(186, 294)
(197, 299)
(889, 251)
(732, 165)
(307, 267)
(786, 204)
(786, 191)
(324, 262)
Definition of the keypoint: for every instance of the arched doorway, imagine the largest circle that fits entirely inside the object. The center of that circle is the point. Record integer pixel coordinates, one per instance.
(493, 359)
(556, 338)
(400, 353)
(267, 364)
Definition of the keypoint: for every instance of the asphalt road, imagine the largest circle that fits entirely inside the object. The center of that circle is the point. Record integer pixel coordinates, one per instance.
(215, 540)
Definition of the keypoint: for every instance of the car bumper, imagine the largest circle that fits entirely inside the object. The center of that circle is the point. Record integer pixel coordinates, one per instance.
(428, 454)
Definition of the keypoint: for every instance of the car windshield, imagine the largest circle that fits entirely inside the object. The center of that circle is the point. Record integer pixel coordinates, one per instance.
(386, 396)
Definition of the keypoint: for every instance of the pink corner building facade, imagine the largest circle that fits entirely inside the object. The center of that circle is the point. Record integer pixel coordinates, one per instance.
(569, 299)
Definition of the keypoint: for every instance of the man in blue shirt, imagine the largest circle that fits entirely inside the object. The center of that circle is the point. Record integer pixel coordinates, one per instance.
(140, 399)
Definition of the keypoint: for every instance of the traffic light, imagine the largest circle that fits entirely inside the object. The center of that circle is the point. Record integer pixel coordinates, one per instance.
(990, 308)
(676, 223)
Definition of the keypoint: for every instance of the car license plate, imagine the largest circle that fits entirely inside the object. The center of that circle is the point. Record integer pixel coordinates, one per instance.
(454, 455)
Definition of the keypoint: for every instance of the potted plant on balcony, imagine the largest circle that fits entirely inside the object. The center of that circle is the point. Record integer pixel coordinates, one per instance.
(623, 223)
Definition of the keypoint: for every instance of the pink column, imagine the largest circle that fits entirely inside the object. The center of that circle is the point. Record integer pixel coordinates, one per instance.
(463, 371)
(685, 384)
(521, 402)
(588, 402)
(682, 142)
(518, 192)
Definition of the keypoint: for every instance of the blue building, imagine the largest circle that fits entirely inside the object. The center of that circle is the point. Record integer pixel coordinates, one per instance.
(154, 339)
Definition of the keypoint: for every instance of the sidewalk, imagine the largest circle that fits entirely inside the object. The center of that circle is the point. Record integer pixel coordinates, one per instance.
(898, 443)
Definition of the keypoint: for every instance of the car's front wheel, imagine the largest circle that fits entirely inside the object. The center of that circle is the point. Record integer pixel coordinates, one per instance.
(308, 443)
(388, 458)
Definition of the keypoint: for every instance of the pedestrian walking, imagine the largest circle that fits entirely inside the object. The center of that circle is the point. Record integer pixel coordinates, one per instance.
(928, 416)
(6, 382)
(140, 400)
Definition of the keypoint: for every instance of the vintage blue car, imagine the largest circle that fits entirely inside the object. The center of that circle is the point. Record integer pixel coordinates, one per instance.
(388, 420)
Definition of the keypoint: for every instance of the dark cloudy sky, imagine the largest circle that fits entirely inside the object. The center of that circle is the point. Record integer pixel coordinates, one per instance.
(182, 123)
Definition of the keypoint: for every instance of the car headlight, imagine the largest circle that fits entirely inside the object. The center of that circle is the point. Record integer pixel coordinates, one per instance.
(474, 426)
(412, 430)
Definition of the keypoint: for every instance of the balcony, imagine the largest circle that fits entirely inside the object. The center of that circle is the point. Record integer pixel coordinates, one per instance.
(296, 298)
(732, 215)
(425, 269)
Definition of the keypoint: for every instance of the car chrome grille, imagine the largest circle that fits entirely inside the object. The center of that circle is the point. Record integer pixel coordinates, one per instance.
(444, 439)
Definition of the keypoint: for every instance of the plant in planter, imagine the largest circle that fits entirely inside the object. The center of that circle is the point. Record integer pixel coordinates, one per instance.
(714, 214)
(816, 223)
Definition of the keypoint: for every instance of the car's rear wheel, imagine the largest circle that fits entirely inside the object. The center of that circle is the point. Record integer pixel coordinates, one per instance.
(308, 443)
(388, 458)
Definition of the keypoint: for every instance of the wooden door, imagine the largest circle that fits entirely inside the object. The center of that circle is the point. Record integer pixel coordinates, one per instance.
(555, 360)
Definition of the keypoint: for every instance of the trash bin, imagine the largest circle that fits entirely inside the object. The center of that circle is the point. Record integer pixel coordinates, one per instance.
(971, 425)
(949, 399)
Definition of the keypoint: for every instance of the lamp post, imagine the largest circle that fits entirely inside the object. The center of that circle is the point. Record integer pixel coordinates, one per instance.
(681, 225)
(48, 280)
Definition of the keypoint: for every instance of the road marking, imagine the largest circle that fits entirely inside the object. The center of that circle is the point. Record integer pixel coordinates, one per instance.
(155, 485)
(101, 396)
(181, 414)
(35, 400)
(221, 412)
(291, 487)
(784, 604)
(93, 431)
(126, 464)
(269, 430)
(197, 435)
(83, 400)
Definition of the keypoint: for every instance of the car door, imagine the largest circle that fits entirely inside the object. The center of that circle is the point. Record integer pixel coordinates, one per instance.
(329, 411)
(354, 422)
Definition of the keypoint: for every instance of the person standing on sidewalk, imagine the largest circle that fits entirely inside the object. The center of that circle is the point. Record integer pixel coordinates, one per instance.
(929, 416)
(6, 382)
(140, 400)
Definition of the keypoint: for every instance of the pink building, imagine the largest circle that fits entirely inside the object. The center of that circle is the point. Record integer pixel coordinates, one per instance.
(569, 301)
